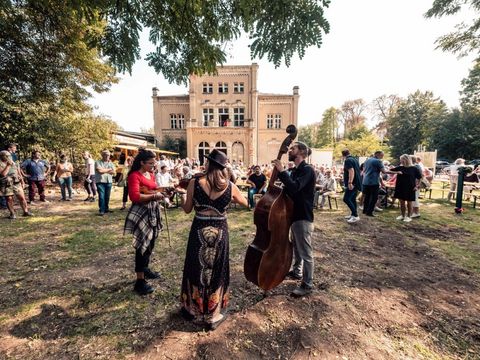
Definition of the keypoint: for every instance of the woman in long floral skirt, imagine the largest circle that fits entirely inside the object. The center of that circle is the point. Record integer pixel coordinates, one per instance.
(206, 274)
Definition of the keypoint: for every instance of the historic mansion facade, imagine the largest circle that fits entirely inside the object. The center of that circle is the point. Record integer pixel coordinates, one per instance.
(226, 111)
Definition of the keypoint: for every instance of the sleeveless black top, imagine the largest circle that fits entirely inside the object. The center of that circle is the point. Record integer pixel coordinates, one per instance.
(202, 201)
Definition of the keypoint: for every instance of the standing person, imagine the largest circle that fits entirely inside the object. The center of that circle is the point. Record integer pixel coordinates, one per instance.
(36, 171)
(104, 171)
(63, 172)
(89, 183)
(352, 183)
(408, 180)
(371, 181)
(11, 183)
(12, 149)
(300, 187)
(123, 181)
(417, 162)
(258, 183)
(453, 174)
(206, 273)
(144, 217)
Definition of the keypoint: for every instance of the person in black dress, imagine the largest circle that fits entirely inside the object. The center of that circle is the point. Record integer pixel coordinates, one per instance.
(206, 273)
(408, 180)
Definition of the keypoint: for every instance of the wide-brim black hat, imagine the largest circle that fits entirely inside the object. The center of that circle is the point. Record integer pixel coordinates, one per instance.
(218, 157)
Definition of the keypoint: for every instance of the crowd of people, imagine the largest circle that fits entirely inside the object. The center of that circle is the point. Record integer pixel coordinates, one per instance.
(208, 188)
(375, 180)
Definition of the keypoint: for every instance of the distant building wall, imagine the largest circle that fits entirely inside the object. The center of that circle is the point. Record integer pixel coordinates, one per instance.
(227, 111)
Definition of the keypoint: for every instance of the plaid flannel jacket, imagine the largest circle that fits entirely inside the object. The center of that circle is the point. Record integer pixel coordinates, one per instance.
(144, 222)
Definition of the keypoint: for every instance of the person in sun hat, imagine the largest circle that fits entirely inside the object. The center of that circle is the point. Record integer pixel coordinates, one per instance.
(206, 273)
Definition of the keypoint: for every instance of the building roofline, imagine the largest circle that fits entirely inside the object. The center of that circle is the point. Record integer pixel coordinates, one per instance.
(274, 95)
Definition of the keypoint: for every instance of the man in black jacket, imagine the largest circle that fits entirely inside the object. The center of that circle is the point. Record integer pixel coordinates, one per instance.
(300, 186)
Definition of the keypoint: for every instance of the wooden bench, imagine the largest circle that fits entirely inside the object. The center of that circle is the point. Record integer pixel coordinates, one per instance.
(333, 197)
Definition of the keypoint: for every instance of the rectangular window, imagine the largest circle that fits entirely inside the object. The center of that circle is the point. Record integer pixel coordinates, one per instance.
(222, 116)
(207, 116)
(239, 116)
(238, 88)
(277, 123)
(207, 88)
(269, 121)
(223, 88)
(173, 121)
(181, 121)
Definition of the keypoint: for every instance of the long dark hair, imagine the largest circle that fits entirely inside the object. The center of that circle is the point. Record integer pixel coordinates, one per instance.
(143, 155)
(217, 177)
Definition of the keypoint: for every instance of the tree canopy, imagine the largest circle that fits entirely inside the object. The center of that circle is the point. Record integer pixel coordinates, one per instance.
(413, 121)
(465, 39)
(189, 36)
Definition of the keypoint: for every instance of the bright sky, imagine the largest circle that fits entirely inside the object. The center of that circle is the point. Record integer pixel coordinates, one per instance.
(374, 47)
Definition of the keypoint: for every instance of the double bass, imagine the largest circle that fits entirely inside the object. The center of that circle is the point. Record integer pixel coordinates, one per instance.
(269, 256)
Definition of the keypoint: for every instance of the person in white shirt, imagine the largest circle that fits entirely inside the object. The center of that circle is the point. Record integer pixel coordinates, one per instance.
(89, 182)
(327, 188)
(162, 162)
(163, 177)
(320, 177)
(453, 173)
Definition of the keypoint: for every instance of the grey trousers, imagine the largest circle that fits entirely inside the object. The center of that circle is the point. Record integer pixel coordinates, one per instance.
(301, 232)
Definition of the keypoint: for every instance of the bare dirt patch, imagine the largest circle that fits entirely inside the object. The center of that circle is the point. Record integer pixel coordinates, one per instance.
(382, 292)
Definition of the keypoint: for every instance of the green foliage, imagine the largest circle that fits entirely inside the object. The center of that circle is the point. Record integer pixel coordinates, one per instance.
(470, 94)
(286, 27)
(45, 73)
(358, 132)
(456, 136)
(175, 144)
(351, 115)
(463, 41)
(466, 37)
(307, 134)
(364, 145)
(322, 134)
(54, 129)
(44, 50)
(413, 122)
(190, 36)
(328, 128)
(383, 108)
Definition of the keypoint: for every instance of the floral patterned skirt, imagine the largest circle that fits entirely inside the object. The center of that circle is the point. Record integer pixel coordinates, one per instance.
(206, 273)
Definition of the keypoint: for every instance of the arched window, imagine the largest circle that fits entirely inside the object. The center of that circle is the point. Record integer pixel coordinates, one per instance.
(237, 151)
(203, 149)
(221, 146)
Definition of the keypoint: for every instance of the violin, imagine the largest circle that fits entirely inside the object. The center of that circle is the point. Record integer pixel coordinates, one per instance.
(269, 256)
(183, 184)
(167, 191)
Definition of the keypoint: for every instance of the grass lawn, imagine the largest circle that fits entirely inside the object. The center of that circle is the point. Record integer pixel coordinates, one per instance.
(384, 290)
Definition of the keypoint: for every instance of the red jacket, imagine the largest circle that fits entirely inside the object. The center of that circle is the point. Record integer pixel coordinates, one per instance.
(137, 180)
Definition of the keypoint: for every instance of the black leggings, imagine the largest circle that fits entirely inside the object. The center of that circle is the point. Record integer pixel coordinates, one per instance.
(125, 194)
(141, 261)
